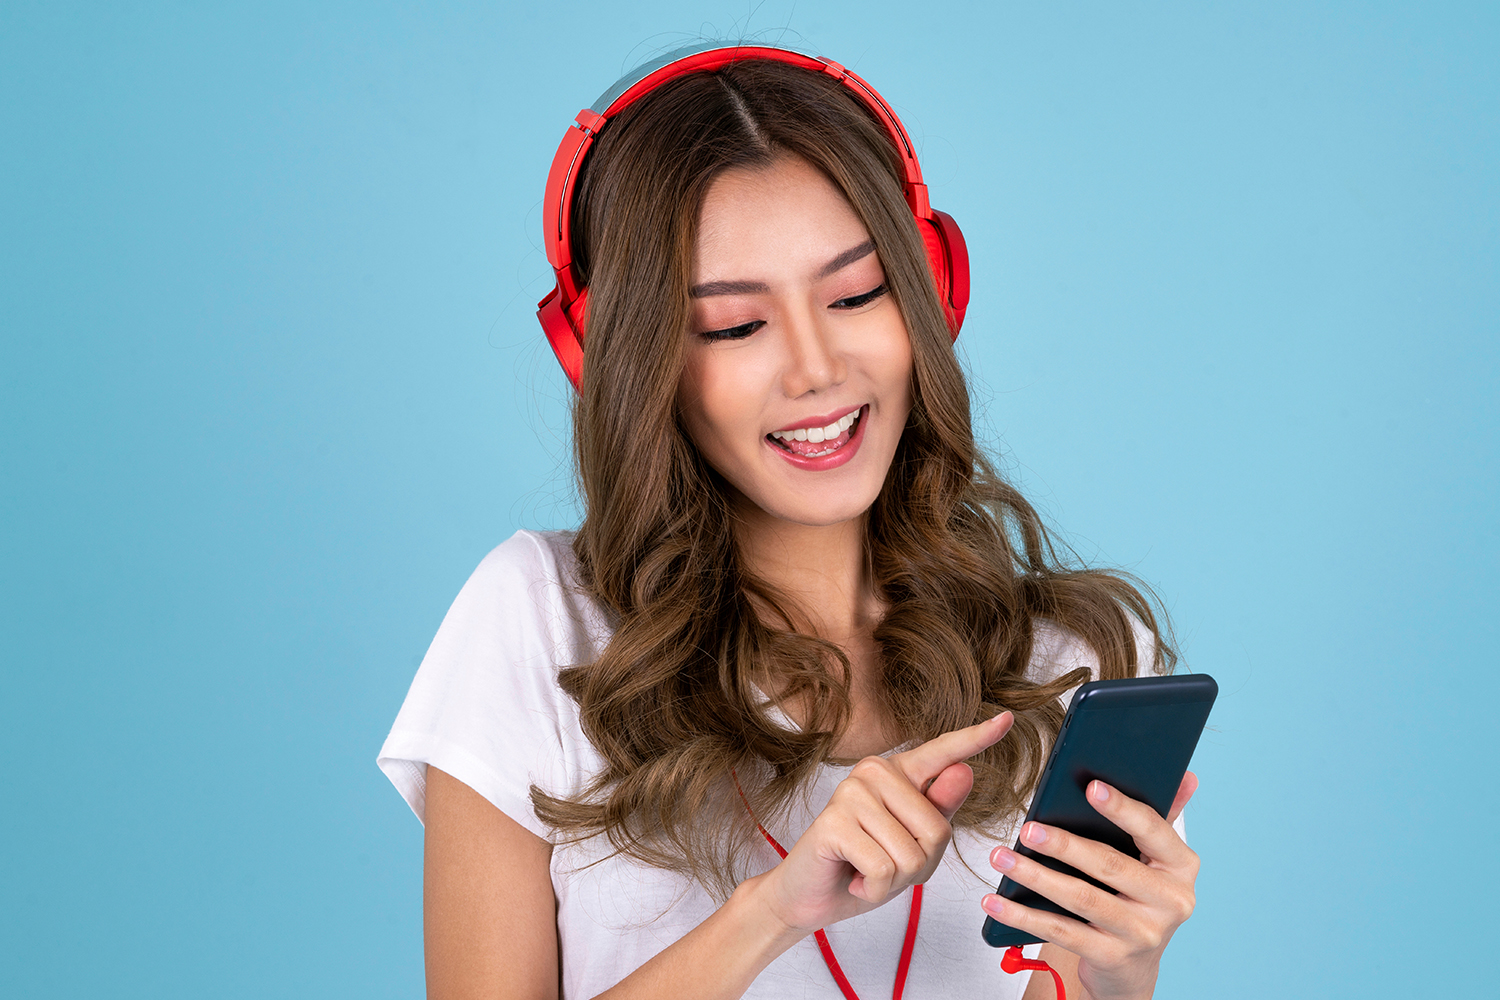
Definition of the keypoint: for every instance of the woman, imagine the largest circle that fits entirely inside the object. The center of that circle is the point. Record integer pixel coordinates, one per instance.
(800, 607)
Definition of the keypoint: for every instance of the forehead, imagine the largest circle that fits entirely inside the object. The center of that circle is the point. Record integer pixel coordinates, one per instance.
(785, 218)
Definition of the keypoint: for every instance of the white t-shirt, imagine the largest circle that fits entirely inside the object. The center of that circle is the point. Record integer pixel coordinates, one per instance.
(485, 707)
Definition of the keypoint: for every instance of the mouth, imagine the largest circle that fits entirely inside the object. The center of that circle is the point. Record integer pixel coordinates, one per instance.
(819, 442)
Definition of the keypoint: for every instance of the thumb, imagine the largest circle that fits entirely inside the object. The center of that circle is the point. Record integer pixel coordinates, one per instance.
(949, 789)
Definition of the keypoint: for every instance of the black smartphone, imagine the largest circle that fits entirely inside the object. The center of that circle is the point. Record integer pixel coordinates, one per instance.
(1136, 734)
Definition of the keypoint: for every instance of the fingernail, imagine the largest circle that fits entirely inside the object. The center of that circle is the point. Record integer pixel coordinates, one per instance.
(1035, 834)
(1099, 791)
(993, 905)
(1003, 858)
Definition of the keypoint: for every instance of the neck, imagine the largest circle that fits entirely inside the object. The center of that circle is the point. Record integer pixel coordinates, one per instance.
(821, 569)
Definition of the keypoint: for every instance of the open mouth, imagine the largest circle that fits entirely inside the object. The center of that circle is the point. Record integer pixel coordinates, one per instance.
(817, 442)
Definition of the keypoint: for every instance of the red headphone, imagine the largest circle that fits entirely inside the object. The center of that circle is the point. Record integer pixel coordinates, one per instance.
(562, 311)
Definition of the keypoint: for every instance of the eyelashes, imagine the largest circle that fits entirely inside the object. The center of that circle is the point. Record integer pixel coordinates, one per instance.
(734, 332)
(746, 329)
(855, 301)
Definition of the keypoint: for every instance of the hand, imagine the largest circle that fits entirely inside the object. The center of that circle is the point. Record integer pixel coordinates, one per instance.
(885, 828)
(1120, 948)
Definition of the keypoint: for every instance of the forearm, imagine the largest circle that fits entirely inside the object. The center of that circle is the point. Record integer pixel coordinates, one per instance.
(718, 959)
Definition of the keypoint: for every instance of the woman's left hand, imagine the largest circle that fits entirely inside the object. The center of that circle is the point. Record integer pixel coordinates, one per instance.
(1119, 950)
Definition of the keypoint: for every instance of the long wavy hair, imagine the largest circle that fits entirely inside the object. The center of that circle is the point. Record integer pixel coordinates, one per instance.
(964, 565)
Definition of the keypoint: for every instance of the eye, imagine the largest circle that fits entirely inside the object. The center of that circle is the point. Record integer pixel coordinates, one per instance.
(855, 301)
(734, 332)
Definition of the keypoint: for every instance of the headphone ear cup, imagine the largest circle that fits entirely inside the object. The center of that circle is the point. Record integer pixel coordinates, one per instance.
(562, 327)
(937, 260)
(958, 263)
(948, 256)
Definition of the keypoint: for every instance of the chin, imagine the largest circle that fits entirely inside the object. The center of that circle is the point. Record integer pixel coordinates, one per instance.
(821, 518)
(819, 509)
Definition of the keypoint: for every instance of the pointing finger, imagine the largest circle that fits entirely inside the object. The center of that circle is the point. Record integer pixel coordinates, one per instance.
(924, 763)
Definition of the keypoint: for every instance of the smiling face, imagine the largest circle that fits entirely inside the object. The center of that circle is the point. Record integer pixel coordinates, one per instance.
(797, 381)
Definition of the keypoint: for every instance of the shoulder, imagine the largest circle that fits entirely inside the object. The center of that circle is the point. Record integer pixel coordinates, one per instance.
(536, 554)
(535, 563)
(485, 705)
(525, 595)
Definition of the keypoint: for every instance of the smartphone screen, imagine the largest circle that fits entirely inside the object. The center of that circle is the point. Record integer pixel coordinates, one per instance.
(1136, 734)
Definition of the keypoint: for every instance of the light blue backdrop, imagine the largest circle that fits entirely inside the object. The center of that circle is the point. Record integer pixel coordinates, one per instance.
(270, 386)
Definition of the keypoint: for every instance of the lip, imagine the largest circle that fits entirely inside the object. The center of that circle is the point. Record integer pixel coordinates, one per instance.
(819, 421)
(826, 462)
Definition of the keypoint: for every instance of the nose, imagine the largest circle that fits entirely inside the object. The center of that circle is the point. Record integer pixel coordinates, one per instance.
(814, 361)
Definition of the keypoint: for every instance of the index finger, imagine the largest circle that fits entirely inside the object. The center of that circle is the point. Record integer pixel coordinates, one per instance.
(922, 764)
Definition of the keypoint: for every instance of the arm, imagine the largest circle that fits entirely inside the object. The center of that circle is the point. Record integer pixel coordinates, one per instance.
(488, 913)
(491, 921)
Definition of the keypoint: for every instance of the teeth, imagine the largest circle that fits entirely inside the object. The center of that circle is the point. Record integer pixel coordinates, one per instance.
(817, 435)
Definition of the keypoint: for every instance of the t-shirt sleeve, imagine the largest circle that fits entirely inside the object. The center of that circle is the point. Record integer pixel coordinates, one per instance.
(485, 705)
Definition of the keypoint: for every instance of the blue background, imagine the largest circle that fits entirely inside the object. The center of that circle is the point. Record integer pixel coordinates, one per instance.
(270, 386)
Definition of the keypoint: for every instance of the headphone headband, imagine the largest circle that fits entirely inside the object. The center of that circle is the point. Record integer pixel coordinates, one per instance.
(562, 311)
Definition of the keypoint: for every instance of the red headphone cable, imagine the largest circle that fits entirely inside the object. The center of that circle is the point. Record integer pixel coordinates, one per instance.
(1013, 961)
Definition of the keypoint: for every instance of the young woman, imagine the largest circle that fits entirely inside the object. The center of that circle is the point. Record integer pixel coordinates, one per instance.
(800, 607)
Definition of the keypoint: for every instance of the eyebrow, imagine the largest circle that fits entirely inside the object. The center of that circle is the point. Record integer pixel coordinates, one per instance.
(838, 263)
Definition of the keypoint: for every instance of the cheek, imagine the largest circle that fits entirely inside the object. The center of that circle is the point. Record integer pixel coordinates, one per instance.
(713, 405)
(894, 366)
(690, 395)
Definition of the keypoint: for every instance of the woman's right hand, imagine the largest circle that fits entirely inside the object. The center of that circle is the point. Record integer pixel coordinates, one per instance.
(884, 829)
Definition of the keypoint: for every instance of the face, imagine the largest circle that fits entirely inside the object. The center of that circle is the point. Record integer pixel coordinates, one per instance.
(798, 377)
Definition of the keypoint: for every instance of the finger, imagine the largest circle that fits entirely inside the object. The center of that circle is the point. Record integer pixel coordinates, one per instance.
(1151, 833)
(910, 857)
(924, 763)
(1165, 891)
(1096, 905)
(877, 786)
(1184, 793)
(949, 789)
(1065, 932)
(875, 870)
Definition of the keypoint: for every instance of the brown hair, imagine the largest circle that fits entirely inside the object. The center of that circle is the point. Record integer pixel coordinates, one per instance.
(963, 563)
